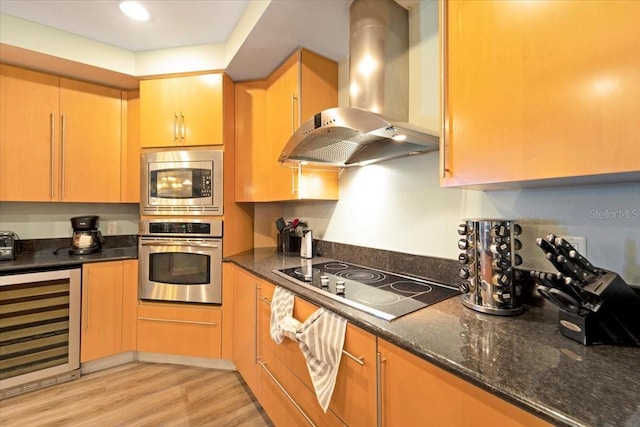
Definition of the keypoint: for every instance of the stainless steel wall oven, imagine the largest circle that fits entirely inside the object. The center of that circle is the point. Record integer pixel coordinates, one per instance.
(181, 260)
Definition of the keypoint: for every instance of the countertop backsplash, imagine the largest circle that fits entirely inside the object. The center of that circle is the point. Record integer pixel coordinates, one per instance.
(30, 246)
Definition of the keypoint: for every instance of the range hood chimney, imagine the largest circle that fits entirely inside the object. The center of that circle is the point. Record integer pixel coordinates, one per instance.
(375, 126)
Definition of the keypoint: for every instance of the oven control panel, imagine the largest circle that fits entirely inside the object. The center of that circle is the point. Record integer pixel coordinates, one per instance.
(170, 227)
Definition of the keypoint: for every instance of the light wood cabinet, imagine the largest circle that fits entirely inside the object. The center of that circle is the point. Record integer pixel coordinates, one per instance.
(354, 398)
(180, 329)
(109, 301)
(129, 305)
(182, 111)
(267, 114)
(29, 124)
(130, 182)
(438, 398)
(59, 139)
(435, 397)
(540, 93)
(102, 308)
(90, 142)
(245, 332)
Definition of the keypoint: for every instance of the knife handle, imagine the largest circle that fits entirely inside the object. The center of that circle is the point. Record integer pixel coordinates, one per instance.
(580, 260)
(571, 252)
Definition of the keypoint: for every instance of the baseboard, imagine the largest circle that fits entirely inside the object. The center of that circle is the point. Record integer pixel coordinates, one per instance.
(107, 362)
(131, 356)
(200, 362)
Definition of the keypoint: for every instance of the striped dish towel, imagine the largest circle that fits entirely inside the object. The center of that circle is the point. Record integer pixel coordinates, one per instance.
(320, 338)
(282, 323)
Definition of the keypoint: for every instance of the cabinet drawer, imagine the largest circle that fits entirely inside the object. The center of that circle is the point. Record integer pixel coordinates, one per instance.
(357, 372)
(181, 330)
(287, 400)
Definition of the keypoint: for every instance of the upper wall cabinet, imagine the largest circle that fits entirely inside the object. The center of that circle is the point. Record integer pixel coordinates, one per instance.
(60, 139)
(540, 93)
(181, 111)
(267, 113)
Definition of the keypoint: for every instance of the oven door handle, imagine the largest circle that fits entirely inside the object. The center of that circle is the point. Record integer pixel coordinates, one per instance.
(196, 244)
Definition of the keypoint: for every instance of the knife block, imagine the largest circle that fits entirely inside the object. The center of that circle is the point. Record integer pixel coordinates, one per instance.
(616, 320)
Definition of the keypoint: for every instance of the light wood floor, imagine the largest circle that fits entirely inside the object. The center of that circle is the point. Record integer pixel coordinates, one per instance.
(140, 394)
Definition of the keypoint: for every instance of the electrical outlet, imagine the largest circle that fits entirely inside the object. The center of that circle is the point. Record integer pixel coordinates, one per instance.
(580, 243)
(112, 227)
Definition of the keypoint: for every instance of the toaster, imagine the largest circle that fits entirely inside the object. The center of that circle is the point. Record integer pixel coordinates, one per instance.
(7, 245)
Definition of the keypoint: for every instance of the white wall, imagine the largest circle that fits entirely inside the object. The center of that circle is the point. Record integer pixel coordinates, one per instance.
(399, 206)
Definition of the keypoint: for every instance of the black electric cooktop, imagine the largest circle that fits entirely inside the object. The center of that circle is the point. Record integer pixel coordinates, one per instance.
(385, 295)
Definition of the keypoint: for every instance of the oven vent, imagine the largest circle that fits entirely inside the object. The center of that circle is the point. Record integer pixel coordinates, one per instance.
(37, 385)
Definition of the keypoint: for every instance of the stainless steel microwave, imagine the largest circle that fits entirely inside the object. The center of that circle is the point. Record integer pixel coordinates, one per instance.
(181, 182)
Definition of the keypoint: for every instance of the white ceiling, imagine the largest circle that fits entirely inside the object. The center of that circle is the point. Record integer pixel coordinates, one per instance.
(318, 25)
(172, 23)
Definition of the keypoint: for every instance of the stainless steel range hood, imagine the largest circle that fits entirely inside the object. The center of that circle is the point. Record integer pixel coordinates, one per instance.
(375, 127)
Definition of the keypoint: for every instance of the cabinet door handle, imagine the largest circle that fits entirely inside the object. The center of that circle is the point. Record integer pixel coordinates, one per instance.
(379, 361)
(174, 243)
(358, 360)
(85, 291)
(52, 118)
(265, 300)
(293, 113)
(190, 322)
(444, 115)
(183, 127)
(63, 130)
(263, 365)
(256, 289)
(175, 127)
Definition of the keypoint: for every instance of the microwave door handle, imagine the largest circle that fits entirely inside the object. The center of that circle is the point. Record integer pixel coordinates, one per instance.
(200, 245)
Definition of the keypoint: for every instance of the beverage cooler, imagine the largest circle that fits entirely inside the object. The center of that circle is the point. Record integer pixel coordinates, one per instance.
(39, 330)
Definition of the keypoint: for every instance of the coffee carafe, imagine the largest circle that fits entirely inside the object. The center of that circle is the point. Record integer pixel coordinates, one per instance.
(87, 238)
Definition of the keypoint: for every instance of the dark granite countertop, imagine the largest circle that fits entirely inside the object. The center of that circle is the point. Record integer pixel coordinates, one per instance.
(522, 359)
(39, 254)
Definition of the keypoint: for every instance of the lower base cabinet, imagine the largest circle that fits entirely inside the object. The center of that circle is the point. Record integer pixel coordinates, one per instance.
(417, 393)
(375, 377)
(284, 367)
(180, 329)
(109, 296)
(245, 335)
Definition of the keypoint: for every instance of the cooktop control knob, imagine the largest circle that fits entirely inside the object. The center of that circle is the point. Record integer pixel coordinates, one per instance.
(501, 279)
(340, 287)
(464, 273)
(308, 277)
(324, 281)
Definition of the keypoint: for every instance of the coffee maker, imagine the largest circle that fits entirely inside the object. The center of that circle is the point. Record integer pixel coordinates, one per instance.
(87, 239)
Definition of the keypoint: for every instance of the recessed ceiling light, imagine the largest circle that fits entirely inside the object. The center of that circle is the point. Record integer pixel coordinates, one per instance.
(134, 10)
